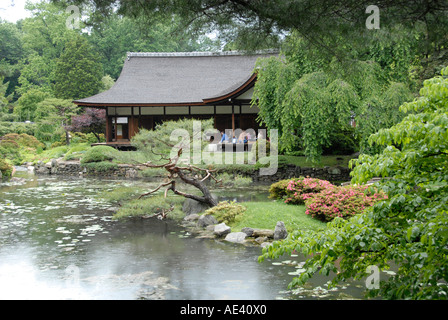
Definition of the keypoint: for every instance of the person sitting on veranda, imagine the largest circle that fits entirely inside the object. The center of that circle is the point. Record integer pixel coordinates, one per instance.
(223, 137)
(242, 137)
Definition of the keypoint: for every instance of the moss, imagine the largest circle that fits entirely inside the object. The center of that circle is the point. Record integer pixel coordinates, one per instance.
(99, 154)
(151, 205)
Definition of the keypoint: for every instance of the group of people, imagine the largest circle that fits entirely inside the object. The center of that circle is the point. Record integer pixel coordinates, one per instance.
(244, 137)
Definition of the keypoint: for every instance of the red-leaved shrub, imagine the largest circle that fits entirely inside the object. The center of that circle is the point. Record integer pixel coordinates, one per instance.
(341, 202)
(299, 189)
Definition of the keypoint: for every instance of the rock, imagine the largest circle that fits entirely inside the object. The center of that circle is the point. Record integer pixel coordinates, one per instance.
(280, 231)
(191, 206)
(221, 229)
(261, 239)
(334, 171)
(192, 217)
(265, 244)
(248, 231)
(206, 220)
(42, 170)
(236, 237)
(263, 233)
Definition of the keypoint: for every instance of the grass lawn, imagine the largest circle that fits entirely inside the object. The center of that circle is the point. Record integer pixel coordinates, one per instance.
(264, 215)
(330, 161)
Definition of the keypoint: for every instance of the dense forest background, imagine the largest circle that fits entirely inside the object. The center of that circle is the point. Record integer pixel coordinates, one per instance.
(44, 64)
(336, 81)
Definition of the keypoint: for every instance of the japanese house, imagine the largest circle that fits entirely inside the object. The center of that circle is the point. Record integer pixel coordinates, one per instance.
(154, 87)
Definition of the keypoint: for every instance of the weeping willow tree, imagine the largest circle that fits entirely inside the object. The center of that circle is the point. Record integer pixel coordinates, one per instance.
(310, 98)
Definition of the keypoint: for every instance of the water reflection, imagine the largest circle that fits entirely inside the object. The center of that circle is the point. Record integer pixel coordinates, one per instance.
(58, 241)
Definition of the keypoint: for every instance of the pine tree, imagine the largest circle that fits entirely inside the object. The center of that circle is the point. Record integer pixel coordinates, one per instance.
(78, 72)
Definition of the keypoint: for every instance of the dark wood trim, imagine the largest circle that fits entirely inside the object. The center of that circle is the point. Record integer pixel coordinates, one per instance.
(246, 86)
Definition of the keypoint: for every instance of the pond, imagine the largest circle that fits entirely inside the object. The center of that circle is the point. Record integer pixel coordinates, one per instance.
(58, 241)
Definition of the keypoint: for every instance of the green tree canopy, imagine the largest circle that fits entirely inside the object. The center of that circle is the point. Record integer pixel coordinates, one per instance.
(45, 36)
(410, 228)
(27, 104)
(310, 98)
(52, 118)
(78, 72)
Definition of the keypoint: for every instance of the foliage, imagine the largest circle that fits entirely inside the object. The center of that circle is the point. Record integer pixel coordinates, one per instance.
(330, 26)
(76, 151)
(312, 103)
(9, 149)
(156, 204)
(121, 194)
(16, 127)
(78, 72)
(154, 143)
(297, 190)
(227, 212)
(277, 190)
(45, 36)
(300, 189)
(99, 154)
(52, 117)
(27, 103)
(236, 181)
(342, 202)
(261, 147)
(100, 166)
(409, 228)
(91, 120)
(15, 147)
(116, 35)
(5, 168)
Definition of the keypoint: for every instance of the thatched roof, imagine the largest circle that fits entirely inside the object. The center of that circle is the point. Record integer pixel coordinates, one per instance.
(189, 78)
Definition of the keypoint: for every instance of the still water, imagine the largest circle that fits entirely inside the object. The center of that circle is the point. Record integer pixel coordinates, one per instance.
(58, 241)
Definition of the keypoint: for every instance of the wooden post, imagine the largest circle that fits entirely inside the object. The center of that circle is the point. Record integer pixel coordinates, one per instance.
(108, 128)
(116, 126)
(233, 120)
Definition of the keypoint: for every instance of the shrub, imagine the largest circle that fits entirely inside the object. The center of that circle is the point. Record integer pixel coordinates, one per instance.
(102, 166)
(151, 205)
(301, 188)
(5, 168)
(23, 140)
(342, 202)
(237, 181)
(76, 152)
(9, 149)
(227, 212)
(99, 154)
(278, 190)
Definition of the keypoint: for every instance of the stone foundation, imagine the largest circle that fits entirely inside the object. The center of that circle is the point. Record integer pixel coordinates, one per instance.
(61, 167)
(70, 168)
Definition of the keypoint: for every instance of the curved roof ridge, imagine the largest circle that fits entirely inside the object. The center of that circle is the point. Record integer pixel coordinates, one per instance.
(199, 53)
